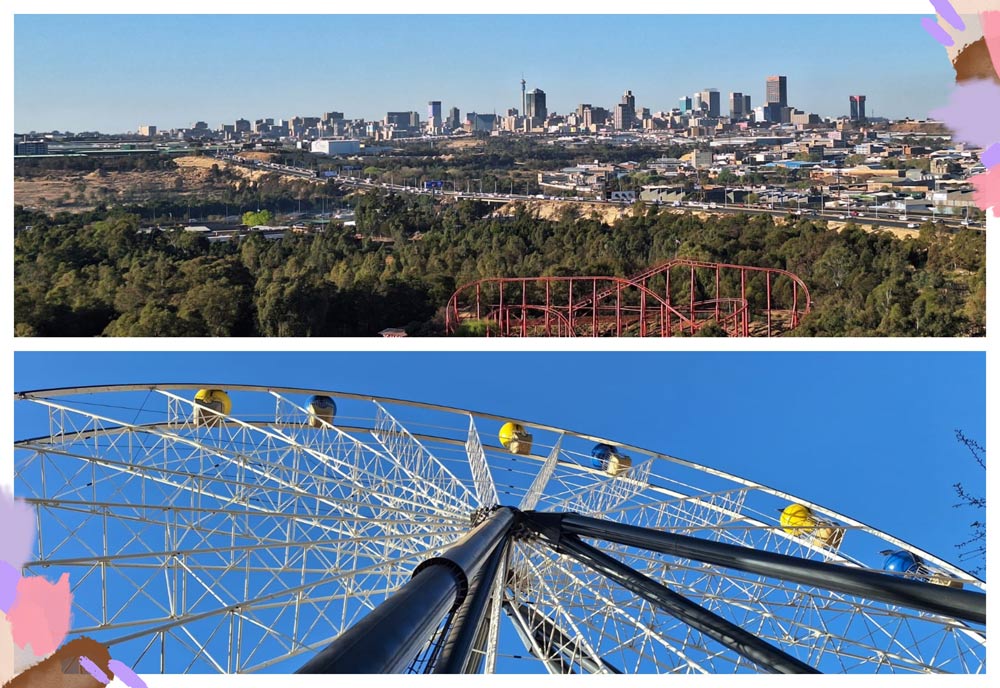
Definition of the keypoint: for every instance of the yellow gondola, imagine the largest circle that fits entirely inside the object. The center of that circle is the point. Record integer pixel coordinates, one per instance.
(515, 438)
(214, 399)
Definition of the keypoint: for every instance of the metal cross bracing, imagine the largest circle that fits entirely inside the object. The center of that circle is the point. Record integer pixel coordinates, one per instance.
(678, 297)
(251, 541)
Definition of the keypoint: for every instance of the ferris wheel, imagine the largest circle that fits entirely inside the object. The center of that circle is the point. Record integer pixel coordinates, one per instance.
(212, 528)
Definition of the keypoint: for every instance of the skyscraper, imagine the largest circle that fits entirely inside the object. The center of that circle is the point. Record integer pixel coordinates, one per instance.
(857, 108)
(625, 112)
(777, 90)
(710, 98)
(454, 120)
(777, 98)
(735, 105)
(685, 104)
(534, 107)
(747, 109)
(434, 122)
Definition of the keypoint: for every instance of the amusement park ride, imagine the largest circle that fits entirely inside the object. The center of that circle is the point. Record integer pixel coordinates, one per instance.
(679, 297)
(279, 529)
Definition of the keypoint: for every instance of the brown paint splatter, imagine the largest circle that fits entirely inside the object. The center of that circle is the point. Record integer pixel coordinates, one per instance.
(974, 62)
(62, 669)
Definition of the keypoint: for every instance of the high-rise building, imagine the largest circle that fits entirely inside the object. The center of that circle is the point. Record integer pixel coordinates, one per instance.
(403, 120)
(736, 105)
(710, 101)
(747, 108)
(454, 120)
(696, 103)
(777, 90)
(147, 130)
(434, 110)
(686, 104)
(857, 108)
(625, 112)
(534, 107)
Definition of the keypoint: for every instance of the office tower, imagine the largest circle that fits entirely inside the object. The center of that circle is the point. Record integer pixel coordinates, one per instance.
(736, 105)
(534, 107)
(710, 99)
(434, 110)
(777, 90)
(581, 108)
(147, 130)
(686, 104)
(454, 119)
(747, 108)
(625, 112)
(857, 108)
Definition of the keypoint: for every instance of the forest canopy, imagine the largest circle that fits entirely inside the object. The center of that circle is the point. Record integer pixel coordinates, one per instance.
(101, 273)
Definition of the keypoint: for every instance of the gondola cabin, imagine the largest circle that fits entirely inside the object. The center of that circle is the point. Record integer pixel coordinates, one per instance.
(798, 519)
(321, 411)
(214, 399)
(610, 460)
(515, 438)
(910, 565)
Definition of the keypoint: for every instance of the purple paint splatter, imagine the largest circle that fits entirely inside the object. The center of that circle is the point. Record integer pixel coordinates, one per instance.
(8, 586)
(94, 670)
(991, 156)
(939, 34)
(948, 13)
(125, 674)
(18, 521)
(968, 112)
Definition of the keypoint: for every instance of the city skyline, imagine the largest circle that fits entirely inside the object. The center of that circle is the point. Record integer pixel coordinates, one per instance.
(398, 70)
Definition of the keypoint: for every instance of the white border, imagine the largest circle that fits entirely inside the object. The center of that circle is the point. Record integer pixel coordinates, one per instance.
(917, 7)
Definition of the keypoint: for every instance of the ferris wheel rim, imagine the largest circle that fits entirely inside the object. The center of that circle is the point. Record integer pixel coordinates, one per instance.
(38, 394)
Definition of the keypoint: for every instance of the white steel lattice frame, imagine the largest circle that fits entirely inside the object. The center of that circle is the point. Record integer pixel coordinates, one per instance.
(238, 545)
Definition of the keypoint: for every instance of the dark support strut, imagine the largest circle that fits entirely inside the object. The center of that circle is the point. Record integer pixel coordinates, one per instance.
(872, 585)
(470, 619)
(709, 623)
(388, 638)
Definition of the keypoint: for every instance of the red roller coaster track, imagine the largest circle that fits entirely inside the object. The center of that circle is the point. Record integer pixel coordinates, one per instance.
(678, 297)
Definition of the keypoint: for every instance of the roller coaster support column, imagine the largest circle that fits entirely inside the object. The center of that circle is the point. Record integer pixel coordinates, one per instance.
(387, 639)
(469, 619)
(872, 585)
(712, 625)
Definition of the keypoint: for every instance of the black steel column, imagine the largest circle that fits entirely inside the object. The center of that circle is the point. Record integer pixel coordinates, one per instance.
(388, 638)
(712, 625)
(873, 585)
(470, 619)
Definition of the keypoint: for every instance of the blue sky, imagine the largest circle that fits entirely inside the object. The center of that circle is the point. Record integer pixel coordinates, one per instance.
(868, 434)
(115, 72)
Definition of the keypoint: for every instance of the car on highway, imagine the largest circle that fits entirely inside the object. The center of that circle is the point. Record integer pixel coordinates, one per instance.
(911, 225)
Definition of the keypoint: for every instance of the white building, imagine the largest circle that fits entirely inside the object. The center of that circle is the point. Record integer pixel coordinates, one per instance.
(336, 146)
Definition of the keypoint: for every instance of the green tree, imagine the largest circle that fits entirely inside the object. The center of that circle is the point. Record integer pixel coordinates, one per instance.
(258, 218)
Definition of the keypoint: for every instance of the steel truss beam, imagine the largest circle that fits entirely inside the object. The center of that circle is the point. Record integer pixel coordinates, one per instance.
(936, 599)
(710, 624)
(551, 638)
(387, 639)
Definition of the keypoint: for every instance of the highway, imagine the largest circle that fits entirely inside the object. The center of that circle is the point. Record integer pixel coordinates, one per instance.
(864, 216)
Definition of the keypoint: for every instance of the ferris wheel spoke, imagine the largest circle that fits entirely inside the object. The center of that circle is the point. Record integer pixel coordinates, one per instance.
(197, 487)
(762, 608)
(312, 482)
(410, 454)
(486, 490)
(616, 606)
(541, 481)
(424, 486)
